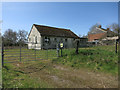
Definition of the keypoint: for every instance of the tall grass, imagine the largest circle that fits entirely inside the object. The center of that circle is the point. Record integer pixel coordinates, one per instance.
(100, 58)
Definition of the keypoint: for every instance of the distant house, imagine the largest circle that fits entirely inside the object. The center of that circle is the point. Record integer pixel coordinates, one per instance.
(100, 33)
(109, 40)
(46, 37)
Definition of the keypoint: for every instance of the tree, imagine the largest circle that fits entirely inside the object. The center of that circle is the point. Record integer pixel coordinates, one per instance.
(114, 27)
(93, 28)
(22, 37)
(10, 37)
(80, 35)
(84, 36)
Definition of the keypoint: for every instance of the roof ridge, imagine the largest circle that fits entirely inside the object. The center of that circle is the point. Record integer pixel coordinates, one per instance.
(52, 27)
(102, 29)
(53, 31)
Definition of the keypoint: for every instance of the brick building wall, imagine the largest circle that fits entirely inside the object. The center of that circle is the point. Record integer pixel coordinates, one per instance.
(92, 37)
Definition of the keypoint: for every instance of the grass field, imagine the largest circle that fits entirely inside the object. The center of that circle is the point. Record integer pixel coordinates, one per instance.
(102, 58)
(95, 67)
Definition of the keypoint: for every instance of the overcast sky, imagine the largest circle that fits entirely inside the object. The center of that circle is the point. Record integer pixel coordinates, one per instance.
(77, 16)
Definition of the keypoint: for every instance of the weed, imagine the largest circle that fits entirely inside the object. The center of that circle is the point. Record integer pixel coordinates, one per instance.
(102, 58)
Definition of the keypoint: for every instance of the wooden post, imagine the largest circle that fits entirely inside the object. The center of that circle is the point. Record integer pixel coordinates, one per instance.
(116, 47)
(2, 54)
(61, 52)
(47, 50)
(57, 47)
(77, 43)
(35, 51)
(20, 52)
(47, 53)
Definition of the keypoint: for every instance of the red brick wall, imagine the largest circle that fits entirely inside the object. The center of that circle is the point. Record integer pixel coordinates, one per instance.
(95, 36)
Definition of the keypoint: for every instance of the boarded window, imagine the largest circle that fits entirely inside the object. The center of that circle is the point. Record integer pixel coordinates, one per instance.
(36, 39)
(65, 40)
(55, 39)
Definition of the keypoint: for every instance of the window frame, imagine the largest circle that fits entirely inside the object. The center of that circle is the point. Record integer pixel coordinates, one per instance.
(47, 39)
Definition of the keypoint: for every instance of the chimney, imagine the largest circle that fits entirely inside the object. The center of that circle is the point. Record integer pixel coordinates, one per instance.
(99, 26)
(108, 29)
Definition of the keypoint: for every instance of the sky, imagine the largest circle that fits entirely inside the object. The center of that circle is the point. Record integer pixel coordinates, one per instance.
(76, 16)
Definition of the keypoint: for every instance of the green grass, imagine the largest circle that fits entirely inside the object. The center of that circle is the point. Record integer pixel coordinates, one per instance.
(13, 78)
(100, 58)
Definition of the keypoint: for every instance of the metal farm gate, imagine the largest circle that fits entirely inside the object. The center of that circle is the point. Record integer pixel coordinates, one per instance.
(11, 54)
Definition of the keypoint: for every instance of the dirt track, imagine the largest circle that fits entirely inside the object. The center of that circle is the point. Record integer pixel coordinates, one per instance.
(60, 76)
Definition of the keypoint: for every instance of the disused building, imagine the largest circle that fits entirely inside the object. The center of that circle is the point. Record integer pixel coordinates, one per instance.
(46, 37)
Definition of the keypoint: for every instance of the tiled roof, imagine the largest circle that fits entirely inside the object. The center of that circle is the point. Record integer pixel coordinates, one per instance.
(98, 30)
(53, 31)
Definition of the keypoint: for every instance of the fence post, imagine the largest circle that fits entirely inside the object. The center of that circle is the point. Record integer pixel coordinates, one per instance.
(77, 43)
(2, 54)
(57, 50)
(35, 51)
(61, 52)
(116, 45)
(47, 53)
(20, 52)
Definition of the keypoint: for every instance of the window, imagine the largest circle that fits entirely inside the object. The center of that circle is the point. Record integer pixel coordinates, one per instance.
(47, 40)
(55, 39)
(29, 39)
(65, 40)
(36, 39)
